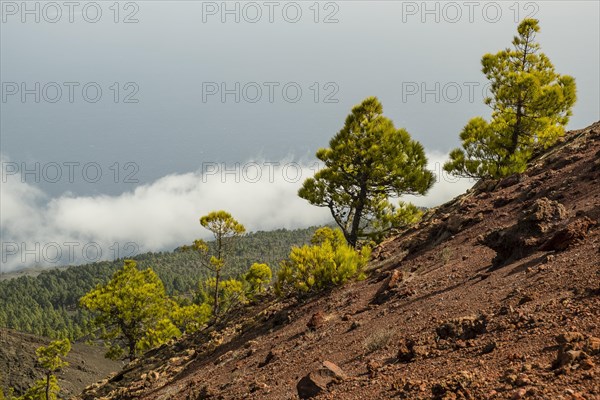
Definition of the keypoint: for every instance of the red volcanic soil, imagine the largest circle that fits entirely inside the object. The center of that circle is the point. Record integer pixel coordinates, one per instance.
(494, 295)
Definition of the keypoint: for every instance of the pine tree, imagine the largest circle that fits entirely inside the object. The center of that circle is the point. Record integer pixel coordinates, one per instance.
(132, 308)
(367, 162)
(225, 230)
(50, 360)
(530, 102)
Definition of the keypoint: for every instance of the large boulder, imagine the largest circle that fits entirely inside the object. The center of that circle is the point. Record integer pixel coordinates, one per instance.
(318, 381)
(534, 225)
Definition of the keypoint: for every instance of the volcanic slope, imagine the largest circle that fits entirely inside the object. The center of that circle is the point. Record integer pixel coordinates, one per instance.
(494, 295)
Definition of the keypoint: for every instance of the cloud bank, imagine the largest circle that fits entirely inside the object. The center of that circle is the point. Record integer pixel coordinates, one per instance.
(38, 230)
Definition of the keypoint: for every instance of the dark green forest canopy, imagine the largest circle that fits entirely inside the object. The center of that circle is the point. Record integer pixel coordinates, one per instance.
(47, 304)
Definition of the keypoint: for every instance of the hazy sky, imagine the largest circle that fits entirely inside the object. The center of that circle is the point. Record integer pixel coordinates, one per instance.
(188, 85)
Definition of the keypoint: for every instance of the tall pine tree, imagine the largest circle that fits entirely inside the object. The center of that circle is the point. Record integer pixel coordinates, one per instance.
(530, 103)
(368, 161)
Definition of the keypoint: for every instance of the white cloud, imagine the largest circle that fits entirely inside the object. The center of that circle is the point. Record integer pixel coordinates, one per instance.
(163, 214)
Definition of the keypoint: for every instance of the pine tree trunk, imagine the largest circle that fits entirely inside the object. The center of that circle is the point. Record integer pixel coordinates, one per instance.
(516, 130)
(216, 296)
(218, 275)
(353, 237)
(48, 385)
(131, 349)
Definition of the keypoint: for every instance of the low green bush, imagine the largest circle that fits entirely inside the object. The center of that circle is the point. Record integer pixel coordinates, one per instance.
(328, 262)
